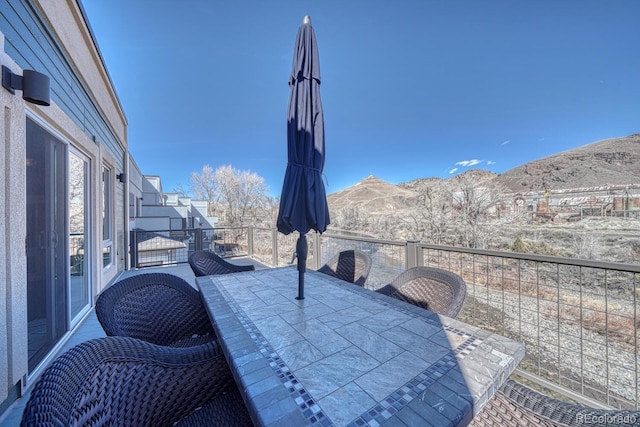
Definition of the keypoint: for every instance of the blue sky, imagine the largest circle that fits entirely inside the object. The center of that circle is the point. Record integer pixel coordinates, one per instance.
(410, 88)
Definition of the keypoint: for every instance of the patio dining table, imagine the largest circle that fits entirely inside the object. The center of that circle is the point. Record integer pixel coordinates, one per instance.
(348, 356)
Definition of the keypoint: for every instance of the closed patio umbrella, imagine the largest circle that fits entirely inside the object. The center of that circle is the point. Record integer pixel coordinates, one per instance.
(303, 201)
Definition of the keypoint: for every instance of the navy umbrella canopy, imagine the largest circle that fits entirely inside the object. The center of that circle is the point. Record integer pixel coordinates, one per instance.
(303, 201)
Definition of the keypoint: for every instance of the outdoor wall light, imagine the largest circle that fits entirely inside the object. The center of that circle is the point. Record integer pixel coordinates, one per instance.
(34, 85)
(122, 177)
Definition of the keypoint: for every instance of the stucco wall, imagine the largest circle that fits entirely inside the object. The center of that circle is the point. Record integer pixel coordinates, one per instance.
(13, 308)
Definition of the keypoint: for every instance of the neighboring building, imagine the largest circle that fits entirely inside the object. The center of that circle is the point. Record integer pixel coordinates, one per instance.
(63, 186)
(171, 211)
(170, 221)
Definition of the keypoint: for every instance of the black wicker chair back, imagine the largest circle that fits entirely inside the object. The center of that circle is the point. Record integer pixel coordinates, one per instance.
(518, 405)
(120, 381)
(437, 290)
(158, 308)
(350, 266)
(205, 263)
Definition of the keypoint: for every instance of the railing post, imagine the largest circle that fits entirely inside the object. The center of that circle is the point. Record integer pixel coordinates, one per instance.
(250, 240)
(274, 246)
(198, 239)
(317, 250)
(133, 248)
(412, 254)
(419, 255)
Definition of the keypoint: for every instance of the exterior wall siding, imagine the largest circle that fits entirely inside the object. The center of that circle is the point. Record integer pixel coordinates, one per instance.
(52, 37)
(33, 47)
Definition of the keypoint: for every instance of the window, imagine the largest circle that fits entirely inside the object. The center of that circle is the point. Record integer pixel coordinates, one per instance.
(107, 216)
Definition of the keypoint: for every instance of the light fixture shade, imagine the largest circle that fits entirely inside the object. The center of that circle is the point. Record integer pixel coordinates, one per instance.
(35, 88)
(34, 85)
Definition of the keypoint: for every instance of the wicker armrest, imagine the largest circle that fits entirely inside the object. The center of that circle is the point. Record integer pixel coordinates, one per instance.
(205, 263)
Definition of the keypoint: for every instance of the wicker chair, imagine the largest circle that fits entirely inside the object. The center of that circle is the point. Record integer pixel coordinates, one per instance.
(120, 381)
(432, 288)
(519, 406)
(350, 266)
(158, 308)
(205, 263)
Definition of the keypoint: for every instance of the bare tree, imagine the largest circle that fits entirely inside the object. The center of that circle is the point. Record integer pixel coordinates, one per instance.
(240, 195)
(587, 245)
(272, 205)
(388, 227)
(350, 218)
(479, 210)
(235, 197)
(203, 186)
(432, 215)
(181, 190)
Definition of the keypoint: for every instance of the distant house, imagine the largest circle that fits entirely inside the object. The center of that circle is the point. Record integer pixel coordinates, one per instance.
(64, 185)
(165, 223)
(170, 210)
(155, 249)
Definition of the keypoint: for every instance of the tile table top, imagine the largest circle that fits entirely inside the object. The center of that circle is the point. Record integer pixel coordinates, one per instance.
(347, 356)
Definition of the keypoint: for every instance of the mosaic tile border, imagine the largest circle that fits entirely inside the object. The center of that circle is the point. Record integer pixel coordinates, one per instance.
(309, 408)
(383, 410)
(404, 395)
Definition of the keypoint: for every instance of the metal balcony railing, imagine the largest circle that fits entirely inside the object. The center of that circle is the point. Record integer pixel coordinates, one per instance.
(579, 319)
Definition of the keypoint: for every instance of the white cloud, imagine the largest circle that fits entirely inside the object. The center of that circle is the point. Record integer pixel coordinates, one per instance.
(453, 171)
(489, 162)
(506, 142)
(469, 163)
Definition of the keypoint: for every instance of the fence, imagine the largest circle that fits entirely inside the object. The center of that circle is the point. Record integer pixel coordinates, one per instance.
(578, 318)
(167, 247)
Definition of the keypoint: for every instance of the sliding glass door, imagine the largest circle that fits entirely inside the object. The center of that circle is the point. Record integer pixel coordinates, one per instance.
(47, 264)
(58, 239)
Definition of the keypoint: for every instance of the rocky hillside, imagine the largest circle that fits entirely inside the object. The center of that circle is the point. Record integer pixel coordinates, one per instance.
(479, 176)
(608, 162)
(372, 195)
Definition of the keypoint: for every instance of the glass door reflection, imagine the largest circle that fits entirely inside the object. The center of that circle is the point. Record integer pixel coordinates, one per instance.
(79, 245)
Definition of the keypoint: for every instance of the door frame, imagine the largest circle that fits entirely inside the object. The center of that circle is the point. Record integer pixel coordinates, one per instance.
(71, 324)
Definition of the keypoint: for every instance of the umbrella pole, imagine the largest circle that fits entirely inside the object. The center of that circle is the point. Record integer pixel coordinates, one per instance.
(301, 249)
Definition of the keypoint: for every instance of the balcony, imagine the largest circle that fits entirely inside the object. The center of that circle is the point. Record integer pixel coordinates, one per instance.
(578, 318)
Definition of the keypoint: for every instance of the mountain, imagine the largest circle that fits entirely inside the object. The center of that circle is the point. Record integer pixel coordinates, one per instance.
(613, 161)
(372, 195)
(609, 162)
